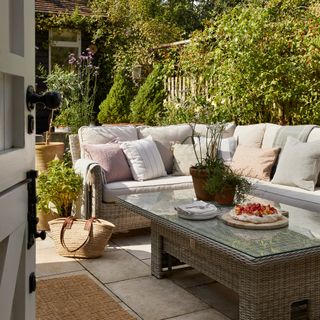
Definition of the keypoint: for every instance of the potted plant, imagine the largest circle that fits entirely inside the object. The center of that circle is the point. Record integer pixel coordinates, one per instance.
(78, 85)
(214, 180)
(57, 188)
(45, 150)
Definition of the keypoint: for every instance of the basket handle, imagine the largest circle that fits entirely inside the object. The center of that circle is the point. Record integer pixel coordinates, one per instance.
(68, 224)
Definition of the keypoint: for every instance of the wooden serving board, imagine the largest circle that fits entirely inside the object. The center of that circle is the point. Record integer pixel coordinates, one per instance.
(254, 226)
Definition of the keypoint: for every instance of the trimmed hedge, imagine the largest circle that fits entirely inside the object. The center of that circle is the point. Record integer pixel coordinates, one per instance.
(116, 107)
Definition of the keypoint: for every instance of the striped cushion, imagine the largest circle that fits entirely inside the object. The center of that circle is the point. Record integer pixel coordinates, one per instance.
(144, 159)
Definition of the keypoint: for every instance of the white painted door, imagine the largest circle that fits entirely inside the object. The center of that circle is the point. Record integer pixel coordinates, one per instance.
(17, 68)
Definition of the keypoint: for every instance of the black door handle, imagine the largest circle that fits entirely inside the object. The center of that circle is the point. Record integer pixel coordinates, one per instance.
(51, 100)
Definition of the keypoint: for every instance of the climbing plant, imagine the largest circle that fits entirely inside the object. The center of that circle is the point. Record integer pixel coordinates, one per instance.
(262, 60)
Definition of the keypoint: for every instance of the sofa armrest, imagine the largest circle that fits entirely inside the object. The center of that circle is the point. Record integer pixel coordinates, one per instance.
(90, 171)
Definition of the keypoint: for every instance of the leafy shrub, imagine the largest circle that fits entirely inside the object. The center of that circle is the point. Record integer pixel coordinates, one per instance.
(58, 187)
(116, 107)
(147, 106)
(77, 85)
(262, 61)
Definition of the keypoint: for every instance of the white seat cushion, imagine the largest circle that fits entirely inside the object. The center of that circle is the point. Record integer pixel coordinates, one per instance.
(110, 190)
(309, 200)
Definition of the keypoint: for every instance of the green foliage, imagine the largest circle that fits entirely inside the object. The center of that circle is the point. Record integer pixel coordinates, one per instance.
(147, 106)
(192, 109)
(262, 61)
(58, 187)
(60, 80)
(132, 28)
(220, 177)
(116, 107)
(78, 88)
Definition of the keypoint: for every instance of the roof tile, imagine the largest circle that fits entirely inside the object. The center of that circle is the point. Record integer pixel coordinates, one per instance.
(60, 6)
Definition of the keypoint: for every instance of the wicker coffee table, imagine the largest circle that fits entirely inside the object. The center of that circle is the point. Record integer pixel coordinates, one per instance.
(270, 269)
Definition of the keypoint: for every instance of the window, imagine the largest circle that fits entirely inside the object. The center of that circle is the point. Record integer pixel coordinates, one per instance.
(62, 43)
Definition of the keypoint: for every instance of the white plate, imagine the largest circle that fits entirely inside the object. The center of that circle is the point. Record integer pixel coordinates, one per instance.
(201, 216)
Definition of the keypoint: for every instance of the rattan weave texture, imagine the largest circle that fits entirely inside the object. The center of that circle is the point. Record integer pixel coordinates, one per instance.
(267, 286)
(123, 219)
(78, 242)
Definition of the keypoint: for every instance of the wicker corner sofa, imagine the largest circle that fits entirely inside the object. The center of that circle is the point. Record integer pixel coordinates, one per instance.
(105, 206)
(101, 195)
(122, 218)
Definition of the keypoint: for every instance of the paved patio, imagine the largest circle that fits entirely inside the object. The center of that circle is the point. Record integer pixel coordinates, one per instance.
(124, 272)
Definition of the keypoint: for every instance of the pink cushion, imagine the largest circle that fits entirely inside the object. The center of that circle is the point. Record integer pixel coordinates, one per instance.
(254, 162)
(111, 159)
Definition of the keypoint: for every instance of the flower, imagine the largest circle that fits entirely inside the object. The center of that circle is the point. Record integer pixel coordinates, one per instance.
(79, 95)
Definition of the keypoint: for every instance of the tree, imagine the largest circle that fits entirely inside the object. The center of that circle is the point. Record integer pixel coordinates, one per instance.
(262, 61)
(147, 106)
(116, 107)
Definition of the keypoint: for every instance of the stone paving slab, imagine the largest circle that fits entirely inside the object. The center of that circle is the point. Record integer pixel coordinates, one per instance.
(155, 299)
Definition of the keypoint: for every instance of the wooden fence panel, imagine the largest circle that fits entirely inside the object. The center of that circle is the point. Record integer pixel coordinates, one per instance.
(180, 88)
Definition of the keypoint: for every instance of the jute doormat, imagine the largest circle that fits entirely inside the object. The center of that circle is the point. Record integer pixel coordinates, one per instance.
(76, 298)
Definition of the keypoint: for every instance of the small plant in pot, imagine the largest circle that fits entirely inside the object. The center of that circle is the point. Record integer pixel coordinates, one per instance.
(213, 179)
(58, 188)
(47, 150)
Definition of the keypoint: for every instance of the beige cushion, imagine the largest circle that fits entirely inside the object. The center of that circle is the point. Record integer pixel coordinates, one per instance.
(105, 134)
(144, 159)
(299, 164)
(228, 130)
(113, 189)
(164, 137)
(250, 135)
(254, 162)
(314, 135)
(269, 135)
(184, 157)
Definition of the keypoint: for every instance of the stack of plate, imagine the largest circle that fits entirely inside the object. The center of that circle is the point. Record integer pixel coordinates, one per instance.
(197, 210)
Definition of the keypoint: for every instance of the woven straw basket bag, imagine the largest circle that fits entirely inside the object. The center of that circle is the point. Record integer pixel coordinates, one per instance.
(78, 238)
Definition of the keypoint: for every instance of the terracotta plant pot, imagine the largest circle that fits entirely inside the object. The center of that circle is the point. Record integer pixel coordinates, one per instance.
(47, 152)
(226, 196)
(199, 179)
(44, 218)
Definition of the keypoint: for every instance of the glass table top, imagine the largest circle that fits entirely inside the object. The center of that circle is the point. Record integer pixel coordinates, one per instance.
(302, 233)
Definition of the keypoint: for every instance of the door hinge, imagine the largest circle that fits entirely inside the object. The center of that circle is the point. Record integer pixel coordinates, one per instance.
(32, 282)
(32, 210)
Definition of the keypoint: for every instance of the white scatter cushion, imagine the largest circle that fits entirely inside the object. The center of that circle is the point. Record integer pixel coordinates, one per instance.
(250, 135)
(164, 136)
(105, 134)
(227, 149)
(299, 164)
(144, 159)
(269, 135)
